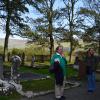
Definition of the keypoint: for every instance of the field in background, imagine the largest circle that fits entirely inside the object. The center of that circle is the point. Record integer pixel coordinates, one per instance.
(14, 43)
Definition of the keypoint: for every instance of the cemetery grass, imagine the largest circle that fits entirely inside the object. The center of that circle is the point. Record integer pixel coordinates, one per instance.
(13, 96)
(38, 85)
(43, 69)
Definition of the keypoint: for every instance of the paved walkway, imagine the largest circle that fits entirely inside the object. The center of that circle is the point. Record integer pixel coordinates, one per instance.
(76, 93)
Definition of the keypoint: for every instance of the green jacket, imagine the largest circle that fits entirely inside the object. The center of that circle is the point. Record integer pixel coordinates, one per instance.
(61, 60)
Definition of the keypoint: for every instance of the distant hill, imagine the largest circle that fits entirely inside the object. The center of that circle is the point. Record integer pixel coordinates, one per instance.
(14, 43)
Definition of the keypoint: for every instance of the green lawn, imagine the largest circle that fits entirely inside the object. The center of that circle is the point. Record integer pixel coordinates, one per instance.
(13, 96)
(70, 71)
(37, 86)
(43, 69)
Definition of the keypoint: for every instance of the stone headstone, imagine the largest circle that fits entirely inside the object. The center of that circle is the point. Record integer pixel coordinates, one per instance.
(32, 62)
(82, 70)
(1, 67)
(23, 58)
(16, 61)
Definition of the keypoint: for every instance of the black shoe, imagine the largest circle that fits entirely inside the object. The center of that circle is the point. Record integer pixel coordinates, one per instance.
(58, 98)
(63, 97)
(90, 91)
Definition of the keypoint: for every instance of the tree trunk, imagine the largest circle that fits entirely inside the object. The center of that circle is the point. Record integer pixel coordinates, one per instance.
(9, 11)
(99, 46)
(71, 40)
(70, 54)
(6, 45)
(51, 46)
(6, 37)
(50, 30)
(71, 27)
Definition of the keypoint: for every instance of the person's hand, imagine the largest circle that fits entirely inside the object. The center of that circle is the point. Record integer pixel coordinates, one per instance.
(62, 54)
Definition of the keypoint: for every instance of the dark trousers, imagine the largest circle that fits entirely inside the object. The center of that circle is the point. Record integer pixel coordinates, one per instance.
(91, 81)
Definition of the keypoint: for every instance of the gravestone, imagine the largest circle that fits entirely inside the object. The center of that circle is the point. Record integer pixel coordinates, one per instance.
(23, 58)
(16, 61)
(82, 70)
(1, 67)
(32, 62)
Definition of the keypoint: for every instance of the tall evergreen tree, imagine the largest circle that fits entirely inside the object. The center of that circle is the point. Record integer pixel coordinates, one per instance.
(12, 11)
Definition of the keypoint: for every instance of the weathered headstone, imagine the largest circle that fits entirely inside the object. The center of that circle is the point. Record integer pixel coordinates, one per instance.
(23, 58)
(16, 61)
(1, 67)
(32, 62)
(42, 58)
(82, 70)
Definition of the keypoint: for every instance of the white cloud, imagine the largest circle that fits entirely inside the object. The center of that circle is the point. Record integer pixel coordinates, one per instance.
(75, 37)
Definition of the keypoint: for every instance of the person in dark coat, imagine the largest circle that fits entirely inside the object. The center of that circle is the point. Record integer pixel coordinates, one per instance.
(91, 61)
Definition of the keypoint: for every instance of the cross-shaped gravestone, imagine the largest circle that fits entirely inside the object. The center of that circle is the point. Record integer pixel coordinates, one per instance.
(16, 61)
(1, 67)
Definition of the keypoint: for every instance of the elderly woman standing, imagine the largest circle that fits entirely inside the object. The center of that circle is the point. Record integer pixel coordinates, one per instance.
(60, 63)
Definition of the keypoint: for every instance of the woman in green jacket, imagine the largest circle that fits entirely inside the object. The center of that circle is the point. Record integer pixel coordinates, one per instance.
(59, 62)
